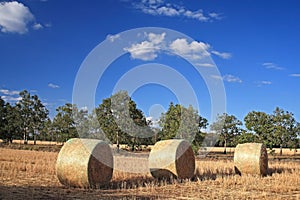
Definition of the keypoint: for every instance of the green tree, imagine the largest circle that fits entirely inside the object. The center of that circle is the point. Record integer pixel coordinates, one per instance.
(13, 121)
(259, 123)
(33, 114)
(122, 121)
(227, 126)
(170, 122)
(40, 116)
(63, 124)
(244, 137)
(181, 122)
(284, 128)
(2, 118)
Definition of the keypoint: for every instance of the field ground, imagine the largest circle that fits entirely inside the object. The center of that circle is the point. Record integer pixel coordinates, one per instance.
(31, 175)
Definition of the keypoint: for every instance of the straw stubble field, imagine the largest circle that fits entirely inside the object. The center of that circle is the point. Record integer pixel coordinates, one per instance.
(31, 175)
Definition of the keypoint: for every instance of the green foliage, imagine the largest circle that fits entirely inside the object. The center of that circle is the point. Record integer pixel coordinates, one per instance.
(183, 123)
(244, 137)
(278, 129)
(122, 122)
(284, 129)
(260, 124)
(64, 124)
(227, 127)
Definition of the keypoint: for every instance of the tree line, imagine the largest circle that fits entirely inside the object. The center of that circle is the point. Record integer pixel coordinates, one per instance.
(117, 119)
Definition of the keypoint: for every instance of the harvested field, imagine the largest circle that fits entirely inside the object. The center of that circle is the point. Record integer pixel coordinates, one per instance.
(31, 175)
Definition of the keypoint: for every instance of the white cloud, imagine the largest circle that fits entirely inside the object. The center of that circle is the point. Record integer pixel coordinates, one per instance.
(155, 43)
(159, 7)
(228, 78)
(270, 65)
(148, 49)
(154, 122)
(295, 75)
(194, 50)
(10, 95)
(112, 38)
(223, 55)
(167, 11)
(54, 86)
(204, 65)
(14, 17)
(195, 15)
(232, 79)
(9, 92)
(11, 98)
(215, 15)
(37, 26)
(261, 83)
(266, 82)
(216, 77)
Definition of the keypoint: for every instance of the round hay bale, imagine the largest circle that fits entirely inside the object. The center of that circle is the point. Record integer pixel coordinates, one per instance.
(172, 158)
(251, 158)
(85, 163)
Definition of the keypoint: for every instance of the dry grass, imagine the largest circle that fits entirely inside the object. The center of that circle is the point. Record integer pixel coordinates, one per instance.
(31, 175)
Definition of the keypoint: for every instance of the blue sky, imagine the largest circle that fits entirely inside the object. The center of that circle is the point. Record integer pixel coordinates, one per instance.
(254, 45)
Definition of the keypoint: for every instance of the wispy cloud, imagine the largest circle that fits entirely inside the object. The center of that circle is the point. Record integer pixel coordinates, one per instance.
(232, 79)
(11, 98)
(9, 92)
(112, 38)
(10, 95)
(223, 55)
(261, 83)
(295, 75)
(54, 86)
(161, 8)
(270, 65)
(14, 17)
(204, 65)
(227, 78)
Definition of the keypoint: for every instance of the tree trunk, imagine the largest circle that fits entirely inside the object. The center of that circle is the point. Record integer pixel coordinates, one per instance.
(34, 139)
(280, 149)
(25, 137)
(225, 145)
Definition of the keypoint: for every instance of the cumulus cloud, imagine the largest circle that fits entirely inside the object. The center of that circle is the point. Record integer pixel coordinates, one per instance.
(270, 65)
(223, 55)
(194, 50)
(228, 78)
(154, 44)
(54, 86)
(148, 49)
(160, 8)
(14, 17)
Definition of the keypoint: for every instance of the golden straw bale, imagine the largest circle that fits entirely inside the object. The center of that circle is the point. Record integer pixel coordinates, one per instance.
(86, 163)
(251, 158)
(172, 158)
